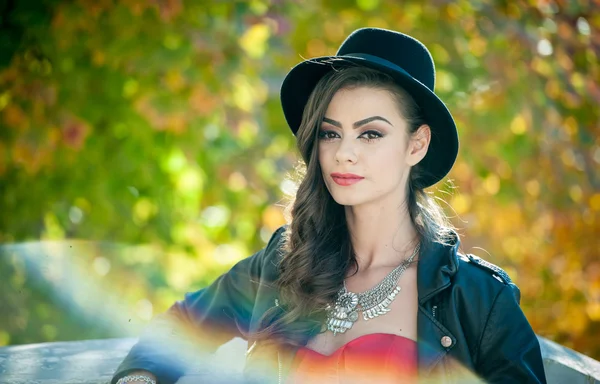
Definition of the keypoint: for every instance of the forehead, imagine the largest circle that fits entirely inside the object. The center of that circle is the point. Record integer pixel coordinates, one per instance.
(362, 101)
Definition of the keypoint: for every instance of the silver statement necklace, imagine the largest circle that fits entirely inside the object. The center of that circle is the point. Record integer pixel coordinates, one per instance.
(372, 303)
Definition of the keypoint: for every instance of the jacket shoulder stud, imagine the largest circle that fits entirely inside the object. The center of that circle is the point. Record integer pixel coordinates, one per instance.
(495, 270)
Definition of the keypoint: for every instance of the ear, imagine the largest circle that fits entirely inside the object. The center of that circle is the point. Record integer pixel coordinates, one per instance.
(418, 145)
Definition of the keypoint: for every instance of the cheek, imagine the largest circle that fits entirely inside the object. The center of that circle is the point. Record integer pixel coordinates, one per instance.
(386, 167)
(386, 158)
(325, 155)
(321, 157)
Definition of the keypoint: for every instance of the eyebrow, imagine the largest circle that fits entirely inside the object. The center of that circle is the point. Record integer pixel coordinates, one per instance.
(357, 124)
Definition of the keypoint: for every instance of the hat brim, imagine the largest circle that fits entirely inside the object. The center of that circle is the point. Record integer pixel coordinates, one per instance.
(443, 148)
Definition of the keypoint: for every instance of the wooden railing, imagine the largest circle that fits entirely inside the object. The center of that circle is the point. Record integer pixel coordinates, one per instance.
(94, 362)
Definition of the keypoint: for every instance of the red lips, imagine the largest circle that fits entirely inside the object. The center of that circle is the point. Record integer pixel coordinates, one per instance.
(346, 179)
(346, 176)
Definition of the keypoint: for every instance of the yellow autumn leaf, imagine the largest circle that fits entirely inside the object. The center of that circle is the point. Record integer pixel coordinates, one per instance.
(593, 310)
(273, 218)
(254, 40)
(519, 125)
(461, 203)
(491, 184)
(595, 202)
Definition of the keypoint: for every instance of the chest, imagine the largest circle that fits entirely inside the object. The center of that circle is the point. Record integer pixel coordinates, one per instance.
(401, 320)
(441, 325)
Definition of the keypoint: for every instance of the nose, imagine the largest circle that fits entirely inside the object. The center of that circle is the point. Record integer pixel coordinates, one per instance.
(346, 150)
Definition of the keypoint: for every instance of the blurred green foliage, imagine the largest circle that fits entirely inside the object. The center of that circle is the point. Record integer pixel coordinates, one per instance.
(156, 125)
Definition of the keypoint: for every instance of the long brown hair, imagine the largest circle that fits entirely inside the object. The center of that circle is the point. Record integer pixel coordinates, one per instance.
(317, 251)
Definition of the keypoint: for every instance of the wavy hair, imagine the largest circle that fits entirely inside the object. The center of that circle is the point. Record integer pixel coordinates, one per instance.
(317, 251)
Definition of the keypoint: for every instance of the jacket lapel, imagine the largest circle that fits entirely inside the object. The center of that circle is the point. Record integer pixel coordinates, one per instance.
(437, 266)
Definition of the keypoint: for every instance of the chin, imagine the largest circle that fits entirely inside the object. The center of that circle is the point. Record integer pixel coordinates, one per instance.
(347, 199)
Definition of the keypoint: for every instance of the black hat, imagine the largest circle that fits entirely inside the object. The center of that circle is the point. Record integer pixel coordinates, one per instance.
(409, 62)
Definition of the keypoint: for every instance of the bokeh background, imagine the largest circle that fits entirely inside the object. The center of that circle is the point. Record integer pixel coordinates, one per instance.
(143, 150)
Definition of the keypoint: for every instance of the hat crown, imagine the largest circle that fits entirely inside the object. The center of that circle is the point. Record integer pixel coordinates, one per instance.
(400, 49)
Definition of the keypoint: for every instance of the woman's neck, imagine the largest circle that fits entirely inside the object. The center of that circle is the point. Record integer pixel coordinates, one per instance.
(381, 237)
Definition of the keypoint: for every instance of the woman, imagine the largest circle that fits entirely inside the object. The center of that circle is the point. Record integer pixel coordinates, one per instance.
(365, 283)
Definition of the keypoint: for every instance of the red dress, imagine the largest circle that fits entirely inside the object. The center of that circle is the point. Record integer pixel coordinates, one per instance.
(373, 358)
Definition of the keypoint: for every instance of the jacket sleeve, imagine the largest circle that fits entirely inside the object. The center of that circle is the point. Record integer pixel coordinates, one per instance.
(200, 323)
(509, 350)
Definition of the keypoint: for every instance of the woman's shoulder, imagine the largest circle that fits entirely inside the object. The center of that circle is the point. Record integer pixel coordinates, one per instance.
(474, 271)
(271, 253)
(274, 248)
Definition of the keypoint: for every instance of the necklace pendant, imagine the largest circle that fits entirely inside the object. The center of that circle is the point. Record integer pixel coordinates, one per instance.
(341, 325)
(342, 317)
(373, 303)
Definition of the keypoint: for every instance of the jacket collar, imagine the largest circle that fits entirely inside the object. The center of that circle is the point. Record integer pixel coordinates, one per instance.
(437, 264)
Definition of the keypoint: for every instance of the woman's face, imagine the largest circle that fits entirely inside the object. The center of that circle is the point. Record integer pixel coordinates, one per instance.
(363, 133)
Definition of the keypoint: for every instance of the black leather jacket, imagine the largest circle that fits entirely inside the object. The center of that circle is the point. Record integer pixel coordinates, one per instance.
(470, 326)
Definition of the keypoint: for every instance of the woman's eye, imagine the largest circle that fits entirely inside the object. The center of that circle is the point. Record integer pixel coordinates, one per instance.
(374, 135)
(367, 135)
(324, 135)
